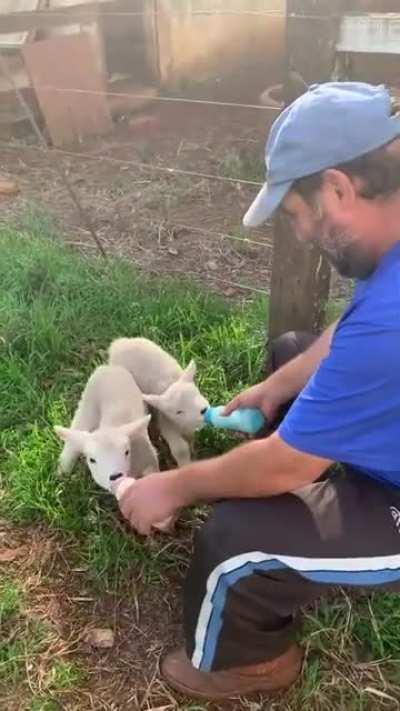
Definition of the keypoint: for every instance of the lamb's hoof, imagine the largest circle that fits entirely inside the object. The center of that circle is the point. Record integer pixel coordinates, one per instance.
(60, 472)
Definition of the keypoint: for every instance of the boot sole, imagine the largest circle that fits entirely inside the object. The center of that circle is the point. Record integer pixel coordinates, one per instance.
(217, 696)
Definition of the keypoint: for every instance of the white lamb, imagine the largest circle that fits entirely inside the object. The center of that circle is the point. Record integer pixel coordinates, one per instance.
(110, 429)
(167, 388)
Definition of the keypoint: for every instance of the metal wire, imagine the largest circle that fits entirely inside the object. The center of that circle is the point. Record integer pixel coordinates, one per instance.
(218, 280)
(222, 235)
(179, 224)
(173, 99)
(43, 148)
(89, 14)
(136, 164)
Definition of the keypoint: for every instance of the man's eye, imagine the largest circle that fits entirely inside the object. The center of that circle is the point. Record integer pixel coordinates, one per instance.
(179, 412)
(127, 453)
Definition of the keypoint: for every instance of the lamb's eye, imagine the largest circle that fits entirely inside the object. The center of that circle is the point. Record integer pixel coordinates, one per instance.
(92, 461)
(179, 412)
(127, 453)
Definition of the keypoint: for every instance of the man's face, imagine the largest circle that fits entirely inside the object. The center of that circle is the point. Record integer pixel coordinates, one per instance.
(336, 234)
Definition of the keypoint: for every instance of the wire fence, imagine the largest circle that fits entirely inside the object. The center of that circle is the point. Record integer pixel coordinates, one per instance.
(55, 156)
(97, 8)
(167, 170)
(167, 99)
(149, 167)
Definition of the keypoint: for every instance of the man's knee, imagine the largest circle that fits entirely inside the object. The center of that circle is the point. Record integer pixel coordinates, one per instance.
(214, 539)
(236, 527)
(288, 346)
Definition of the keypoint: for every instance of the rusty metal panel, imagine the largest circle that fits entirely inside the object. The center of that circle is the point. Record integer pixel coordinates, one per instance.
(371, 34)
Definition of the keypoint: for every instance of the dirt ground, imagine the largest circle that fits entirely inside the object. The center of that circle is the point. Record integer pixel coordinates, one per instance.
(145, 619)
(123, 677)
(165, 222)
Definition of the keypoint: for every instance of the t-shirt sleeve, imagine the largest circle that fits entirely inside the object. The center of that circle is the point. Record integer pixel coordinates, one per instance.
(349, 410)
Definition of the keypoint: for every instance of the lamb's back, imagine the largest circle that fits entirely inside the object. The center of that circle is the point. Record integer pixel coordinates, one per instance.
(152, 368)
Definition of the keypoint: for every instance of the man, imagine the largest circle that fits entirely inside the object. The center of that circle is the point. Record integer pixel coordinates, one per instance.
(281, 534)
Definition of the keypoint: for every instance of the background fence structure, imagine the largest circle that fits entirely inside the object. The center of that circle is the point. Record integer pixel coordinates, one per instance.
(151, 116)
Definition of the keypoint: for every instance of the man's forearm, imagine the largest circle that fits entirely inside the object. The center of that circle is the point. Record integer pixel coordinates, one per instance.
(258, 469)
(292, 377)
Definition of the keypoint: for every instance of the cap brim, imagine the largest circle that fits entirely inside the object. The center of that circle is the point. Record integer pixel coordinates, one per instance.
(267, 201)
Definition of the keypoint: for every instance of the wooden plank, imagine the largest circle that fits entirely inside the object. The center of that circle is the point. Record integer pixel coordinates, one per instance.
(164, 40)
(68, 62)
(299, 285)
(53, 17)
(92, 28)
(151, 43)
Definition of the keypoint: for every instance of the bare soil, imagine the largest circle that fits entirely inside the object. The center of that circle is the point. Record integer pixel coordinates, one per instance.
(164, 222)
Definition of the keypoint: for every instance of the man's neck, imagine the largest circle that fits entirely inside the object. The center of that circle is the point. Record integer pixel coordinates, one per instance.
(389, 219)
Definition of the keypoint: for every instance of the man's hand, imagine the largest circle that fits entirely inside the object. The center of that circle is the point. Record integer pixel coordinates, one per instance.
(286, 383)
(261, 396)
(262, 468)
(150, 501)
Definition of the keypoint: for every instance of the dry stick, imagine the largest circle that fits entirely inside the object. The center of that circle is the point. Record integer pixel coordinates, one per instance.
(52, 161)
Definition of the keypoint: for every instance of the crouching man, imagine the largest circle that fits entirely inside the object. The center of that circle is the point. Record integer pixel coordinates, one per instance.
(280, 534)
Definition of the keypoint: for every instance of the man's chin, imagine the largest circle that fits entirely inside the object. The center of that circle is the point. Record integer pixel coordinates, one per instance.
(351, 267)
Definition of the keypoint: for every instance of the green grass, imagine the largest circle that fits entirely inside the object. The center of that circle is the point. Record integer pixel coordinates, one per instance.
(58, 314)
(354, 643)
(242, 165)
(63, 676)
(30, 643)
(39, 703)
(24, 643)
(22, 636)
(11, 598)
(376, 628)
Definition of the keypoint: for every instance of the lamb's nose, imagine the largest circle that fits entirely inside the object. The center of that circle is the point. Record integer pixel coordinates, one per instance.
(115, 477)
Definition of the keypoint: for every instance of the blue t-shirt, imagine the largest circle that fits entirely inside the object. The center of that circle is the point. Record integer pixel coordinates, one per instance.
(349, 411)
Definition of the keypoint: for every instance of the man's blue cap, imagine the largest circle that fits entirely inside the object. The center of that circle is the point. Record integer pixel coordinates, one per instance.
(330, 124)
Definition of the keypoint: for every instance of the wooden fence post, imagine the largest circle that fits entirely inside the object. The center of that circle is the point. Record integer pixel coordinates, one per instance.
(300, 276)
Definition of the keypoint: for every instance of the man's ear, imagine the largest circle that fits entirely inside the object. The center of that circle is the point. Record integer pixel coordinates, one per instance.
(339, 191)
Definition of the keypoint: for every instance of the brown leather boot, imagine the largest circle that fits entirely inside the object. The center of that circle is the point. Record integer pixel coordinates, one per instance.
(272, 676)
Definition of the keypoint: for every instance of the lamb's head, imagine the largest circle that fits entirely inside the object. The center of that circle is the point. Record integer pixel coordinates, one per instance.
(182, 402)
(109, 451)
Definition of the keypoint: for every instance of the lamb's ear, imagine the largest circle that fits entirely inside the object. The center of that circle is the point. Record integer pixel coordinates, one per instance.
(75, 437)
(136, 427)
(152, 400)
(189, 373)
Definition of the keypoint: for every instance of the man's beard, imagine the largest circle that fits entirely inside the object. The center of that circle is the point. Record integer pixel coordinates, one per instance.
(346, 254)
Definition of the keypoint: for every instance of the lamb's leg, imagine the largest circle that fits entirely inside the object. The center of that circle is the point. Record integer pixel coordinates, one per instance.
(85, 418)
(179, 447)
